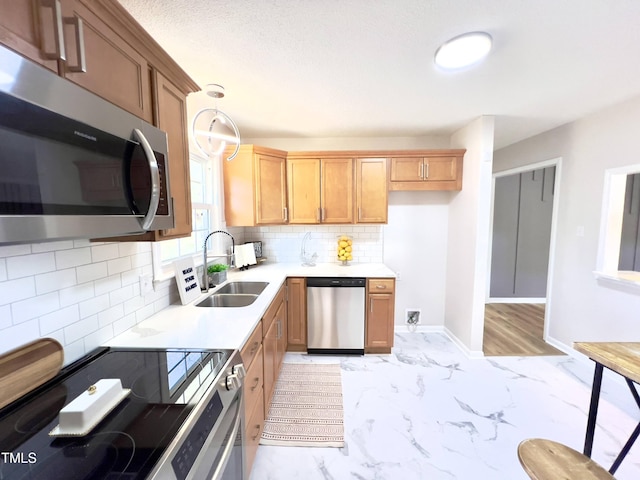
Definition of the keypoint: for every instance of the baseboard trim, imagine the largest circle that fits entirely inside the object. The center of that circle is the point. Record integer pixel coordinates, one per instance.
(472, 354)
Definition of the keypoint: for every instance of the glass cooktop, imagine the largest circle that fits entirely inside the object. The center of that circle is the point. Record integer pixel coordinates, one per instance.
(165, 386)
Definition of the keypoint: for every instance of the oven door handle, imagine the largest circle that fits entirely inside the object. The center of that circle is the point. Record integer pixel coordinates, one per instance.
(217, 475)
(154, 201)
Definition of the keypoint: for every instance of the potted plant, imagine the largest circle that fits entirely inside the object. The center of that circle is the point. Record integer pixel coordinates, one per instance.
(217, 273)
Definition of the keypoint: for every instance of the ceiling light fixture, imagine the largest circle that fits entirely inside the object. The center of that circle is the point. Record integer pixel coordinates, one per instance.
(213, 129)
(463, 50)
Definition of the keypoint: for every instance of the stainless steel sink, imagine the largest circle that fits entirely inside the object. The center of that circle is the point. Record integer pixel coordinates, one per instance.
(235, 288)
(228, 300)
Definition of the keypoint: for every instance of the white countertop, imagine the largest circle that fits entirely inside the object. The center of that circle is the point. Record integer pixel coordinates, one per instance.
(188, 326)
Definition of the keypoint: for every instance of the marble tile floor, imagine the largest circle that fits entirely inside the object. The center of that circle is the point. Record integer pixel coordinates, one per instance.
(428, 412)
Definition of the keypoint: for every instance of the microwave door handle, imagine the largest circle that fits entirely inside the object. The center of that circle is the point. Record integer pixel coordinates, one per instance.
(155, 180)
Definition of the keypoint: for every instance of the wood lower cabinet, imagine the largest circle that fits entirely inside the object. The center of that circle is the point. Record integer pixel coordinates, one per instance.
(371, 190)
(255, 191)
(434, 170)
(253, 360)
(274, 344)
(380, 316)
(253, 431)
(297, 314)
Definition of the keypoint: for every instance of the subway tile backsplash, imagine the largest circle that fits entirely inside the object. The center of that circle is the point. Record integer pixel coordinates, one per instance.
(79, 292)
(84, 293)
(283, 243)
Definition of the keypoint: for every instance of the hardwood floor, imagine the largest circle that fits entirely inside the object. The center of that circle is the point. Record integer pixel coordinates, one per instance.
(515, 329)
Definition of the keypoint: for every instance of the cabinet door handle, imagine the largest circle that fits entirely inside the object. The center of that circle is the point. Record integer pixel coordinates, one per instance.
(371, 304)
(257, 429)
(76, 22)
(322, 217)
(255, 385)
(420, 170)
(381, 286)
(427, 174)
(254, 348)
(57, 29)
(286, 214)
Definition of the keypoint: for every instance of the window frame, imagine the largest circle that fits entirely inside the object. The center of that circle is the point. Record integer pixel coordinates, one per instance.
(213, 204)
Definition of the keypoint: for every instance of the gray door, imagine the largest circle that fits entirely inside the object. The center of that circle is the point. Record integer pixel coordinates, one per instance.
(523, 206)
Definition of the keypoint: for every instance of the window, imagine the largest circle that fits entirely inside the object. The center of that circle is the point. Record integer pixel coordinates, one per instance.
(630, 239)
(617, 246)
(206, 204)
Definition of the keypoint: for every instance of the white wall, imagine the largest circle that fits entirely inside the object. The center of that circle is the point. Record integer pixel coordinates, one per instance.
(468, 240)
(78, 292)
(415, 246)
(579, 308)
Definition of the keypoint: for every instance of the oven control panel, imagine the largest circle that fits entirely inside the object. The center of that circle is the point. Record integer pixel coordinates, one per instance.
(191, 447)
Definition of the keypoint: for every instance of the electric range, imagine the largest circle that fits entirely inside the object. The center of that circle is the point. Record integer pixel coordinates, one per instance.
(183, 419)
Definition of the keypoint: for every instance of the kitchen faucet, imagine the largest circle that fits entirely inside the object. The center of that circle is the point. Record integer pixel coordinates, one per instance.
(205, 280)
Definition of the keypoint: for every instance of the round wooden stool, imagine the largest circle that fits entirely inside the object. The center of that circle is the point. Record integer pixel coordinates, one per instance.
(547, 460)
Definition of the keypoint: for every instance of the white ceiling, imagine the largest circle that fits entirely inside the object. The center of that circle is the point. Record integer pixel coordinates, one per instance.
(353, 68)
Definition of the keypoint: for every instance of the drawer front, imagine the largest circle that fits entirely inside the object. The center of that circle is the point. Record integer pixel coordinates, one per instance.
(253, 432)
(253, 383)
(250, 349)
(381, 285)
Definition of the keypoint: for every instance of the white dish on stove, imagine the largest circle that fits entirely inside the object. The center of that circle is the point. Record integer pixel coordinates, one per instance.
(87, 410)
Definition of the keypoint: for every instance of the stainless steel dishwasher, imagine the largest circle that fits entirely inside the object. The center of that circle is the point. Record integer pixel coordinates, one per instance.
(335, 315)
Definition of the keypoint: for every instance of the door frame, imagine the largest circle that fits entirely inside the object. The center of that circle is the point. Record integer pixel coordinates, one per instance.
(557, 162)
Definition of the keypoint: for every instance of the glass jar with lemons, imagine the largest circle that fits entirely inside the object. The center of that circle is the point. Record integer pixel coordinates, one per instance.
(345, 249)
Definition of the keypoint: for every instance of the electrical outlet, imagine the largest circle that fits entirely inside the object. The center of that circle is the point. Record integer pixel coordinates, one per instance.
(146, 283)
(412, 316)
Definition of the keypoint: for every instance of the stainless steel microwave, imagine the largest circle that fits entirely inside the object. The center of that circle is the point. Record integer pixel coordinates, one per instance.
(73, 165)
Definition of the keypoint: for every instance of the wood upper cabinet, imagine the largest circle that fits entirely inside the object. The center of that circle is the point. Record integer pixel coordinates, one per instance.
(320, 190)
(371, 190)
(380, 315)
(29, 28)
(297, 314)
(255, 191)
(303, 190)
(429, 170)
(113, 68)
(171, 117)
(73, 39)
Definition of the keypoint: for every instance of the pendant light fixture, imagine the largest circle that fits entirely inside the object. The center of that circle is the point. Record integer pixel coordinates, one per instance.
(463, 51)
(212, 129)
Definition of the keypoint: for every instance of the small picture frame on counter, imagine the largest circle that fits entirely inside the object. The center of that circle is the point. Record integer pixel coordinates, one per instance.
(257, 248)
